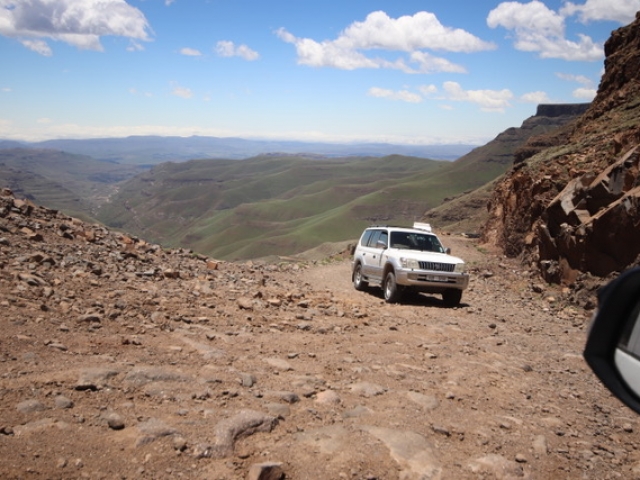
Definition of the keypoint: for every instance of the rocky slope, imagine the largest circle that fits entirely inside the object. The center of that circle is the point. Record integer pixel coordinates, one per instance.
(570, 203)
(123, 360)
(467, 212)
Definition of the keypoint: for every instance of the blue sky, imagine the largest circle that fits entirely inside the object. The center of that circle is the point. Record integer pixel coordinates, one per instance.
(401, 71)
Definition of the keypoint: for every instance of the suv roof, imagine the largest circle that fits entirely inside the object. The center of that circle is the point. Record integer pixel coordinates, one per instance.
(423, 227)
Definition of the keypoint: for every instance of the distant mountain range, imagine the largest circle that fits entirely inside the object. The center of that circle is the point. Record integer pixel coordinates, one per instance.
(152, 150)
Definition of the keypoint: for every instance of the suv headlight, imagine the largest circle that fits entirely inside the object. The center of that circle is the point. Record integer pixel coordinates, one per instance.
(460, 268)
(409, 263)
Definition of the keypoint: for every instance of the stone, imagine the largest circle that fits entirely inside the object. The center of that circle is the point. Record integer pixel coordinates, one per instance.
(367, 389)
(30, 406)
(540, 446)
(62, 402)
(327, 397)
(279, 364)
(247, 380)
(266, 471)
(498, 466)
(245, 423)
(89, 318)
(415, 455)
(146, 374)
(153, 429)
(115, 421)
(288, 397)
(95, 378)
(428, 402)
(179, 443)
(245, 303)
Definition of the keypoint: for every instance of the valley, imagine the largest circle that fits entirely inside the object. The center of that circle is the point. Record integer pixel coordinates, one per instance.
(268, 205)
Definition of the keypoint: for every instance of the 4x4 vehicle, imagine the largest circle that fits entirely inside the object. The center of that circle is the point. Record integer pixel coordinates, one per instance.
(403, 259)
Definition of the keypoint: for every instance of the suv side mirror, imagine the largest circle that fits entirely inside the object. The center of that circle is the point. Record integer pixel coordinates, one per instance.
(381, 244)
(613, 343)
(447, 251)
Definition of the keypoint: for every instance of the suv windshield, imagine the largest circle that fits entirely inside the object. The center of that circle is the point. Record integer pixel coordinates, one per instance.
(416, 241)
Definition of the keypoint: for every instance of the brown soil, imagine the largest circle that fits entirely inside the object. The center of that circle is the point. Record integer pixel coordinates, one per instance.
(120, 360)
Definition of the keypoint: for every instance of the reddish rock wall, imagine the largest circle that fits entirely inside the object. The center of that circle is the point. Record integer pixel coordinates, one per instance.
(574, 206)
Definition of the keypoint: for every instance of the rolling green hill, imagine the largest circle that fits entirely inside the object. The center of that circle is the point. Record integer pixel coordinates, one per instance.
(282, 205)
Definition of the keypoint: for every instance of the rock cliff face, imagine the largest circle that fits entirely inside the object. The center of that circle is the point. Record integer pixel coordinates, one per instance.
(467, 212)
(560, 110)
(571, 203)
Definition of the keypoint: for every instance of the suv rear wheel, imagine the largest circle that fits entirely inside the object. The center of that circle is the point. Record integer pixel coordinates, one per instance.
(358, 282)
(392, 292)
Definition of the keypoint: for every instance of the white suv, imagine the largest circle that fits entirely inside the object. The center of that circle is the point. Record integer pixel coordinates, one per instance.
(400, 259)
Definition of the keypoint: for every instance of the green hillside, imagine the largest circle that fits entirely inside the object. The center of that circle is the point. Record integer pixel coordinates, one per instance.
(282, 205)
(76, 184)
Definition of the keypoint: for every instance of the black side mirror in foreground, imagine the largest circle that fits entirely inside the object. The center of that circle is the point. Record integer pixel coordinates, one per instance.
(613, 342)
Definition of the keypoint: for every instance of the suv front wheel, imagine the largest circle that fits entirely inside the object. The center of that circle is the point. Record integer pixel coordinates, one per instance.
(452, 297)
(392, 292)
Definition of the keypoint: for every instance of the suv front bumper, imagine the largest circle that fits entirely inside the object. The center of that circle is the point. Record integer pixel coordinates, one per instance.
(434, 282)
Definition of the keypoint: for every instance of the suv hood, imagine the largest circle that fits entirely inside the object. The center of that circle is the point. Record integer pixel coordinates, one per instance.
(429, 256)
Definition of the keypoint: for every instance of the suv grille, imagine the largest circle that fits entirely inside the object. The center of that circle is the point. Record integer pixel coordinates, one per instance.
(436, 266)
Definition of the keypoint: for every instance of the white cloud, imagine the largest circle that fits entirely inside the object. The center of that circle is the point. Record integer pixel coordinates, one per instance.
(43, 121)
(521, 17)
(402, 95)
(622, 11)
(38, 46)
(535, 97)
(135, 46)
(6, 89)
(428, 63)
(190, 52)
(181, 92)
(575, 78)
(539, 29)
(427, 90)
(489, 100)
(225, 48)
(407, 34)
(585, 93)
(78, 23)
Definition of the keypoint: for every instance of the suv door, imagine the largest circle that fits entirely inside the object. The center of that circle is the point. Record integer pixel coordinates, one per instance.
(372, 254)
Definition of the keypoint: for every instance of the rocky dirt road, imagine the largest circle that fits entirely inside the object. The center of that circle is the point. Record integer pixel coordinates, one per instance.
(119, 359)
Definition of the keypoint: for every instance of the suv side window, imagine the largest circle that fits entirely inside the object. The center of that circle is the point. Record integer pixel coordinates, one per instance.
(366, 237)
(373, 239)
(384, 238)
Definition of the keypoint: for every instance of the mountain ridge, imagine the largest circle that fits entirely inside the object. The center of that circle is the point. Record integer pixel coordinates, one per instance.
(154, 149)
